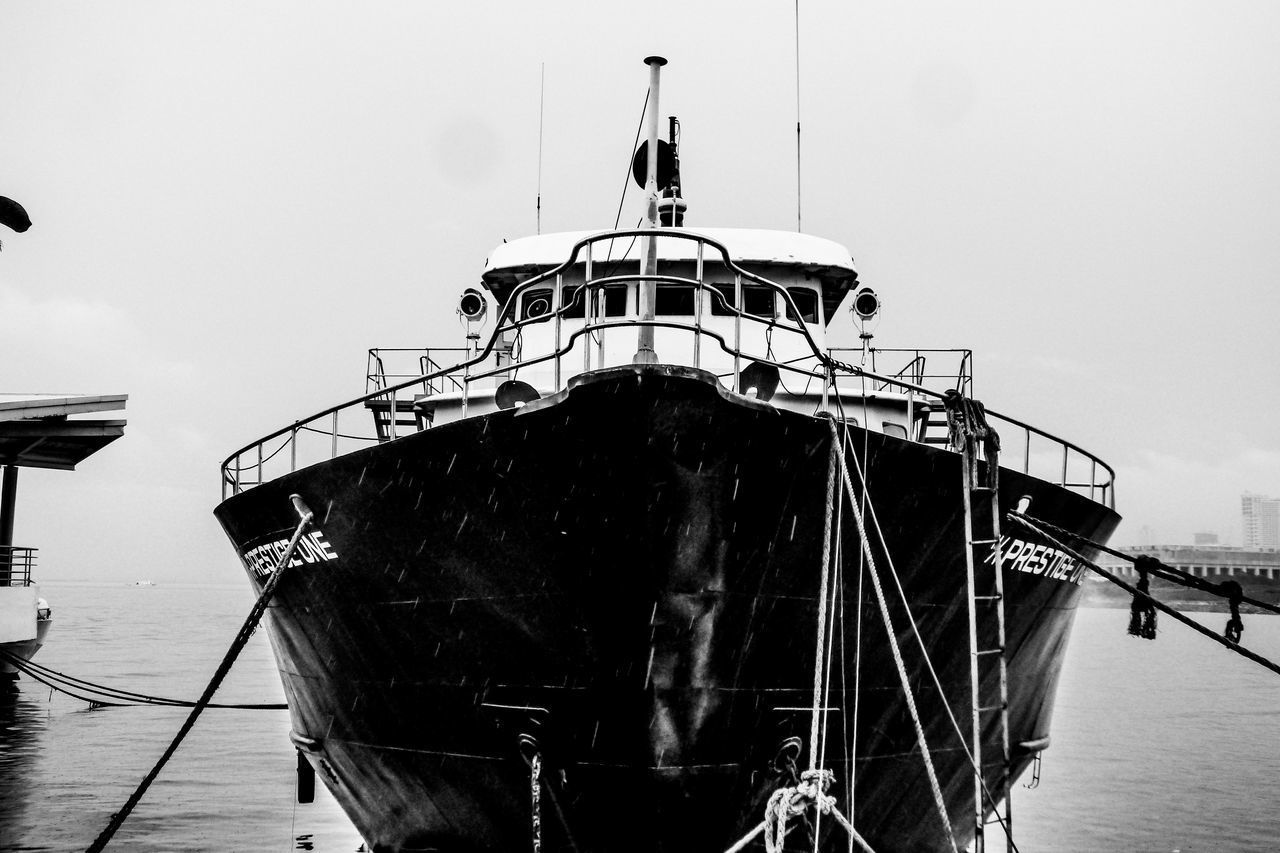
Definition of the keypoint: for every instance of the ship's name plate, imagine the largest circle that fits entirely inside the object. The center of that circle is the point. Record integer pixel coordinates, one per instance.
(312, 548)
(1044, 560)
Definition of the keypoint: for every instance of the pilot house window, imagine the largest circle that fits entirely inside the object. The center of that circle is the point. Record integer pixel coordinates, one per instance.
(615, 301)
(537, 303)
(757, 300)
(673, 300)
(806, 302)
(895, 430)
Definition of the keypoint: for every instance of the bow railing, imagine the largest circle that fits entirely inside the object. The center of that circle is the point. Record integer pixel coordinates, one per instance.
(724, 342)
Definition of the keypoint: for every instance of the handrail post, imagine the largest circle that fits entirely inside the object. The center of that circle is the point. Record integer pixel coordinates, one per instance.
(697, 309)
(828, 379)
(588, 313)
(466, 378)
(391, 414)
(557, 302)
(293, 448)
(333, 449)
(911, 410)
(737, 327)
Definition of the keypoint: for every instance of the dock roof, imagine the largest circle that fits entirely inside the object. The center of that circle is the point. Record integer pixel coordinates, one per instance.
(39, 430)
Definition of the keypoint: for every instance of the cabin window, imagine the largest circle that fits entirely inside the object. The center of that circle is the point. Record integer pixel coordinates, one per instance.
(575, 303)
(722, 300)
(673, 301)
(615, 301)
(895, 430)
(806, 301)
(757, 300)
(537, 303)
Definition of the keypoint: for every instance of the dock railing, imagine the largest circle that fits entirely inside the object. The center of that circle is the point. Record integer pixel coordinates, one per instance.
(346, 427)
(16, 565)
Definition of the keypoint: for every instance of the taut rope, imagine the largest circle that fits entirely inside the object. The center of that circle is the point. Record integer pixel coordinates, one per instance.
(938, 801)
(246, 631)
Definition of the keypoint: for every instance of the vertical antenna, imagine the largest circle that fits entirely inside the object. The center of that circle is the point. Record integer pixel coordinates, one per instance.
(542, 98)
(798, 228)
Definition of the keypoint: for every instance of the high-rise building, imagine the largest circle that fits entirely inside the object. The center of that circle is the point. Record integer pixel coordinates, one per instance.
(1261, 521)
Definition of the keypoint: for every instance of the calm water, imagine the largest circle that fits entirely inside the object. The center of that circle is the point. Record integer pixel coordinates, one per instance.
(65, 769)
(1160, 747)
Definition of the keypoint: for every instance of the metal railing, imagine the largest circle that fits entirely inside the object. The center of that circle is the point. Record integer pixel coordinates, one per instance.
(16, 565)
(329, 433)
(414, 363)
(956, 372)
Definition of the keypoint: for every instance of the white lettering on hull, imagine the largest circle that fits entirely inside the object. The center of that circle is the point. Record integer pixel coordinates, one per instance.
(312, 548)
(1044, 560)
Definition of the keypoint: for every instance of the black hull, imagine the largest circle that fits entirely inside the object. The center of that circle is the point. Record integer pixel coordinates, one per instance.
(630, 576)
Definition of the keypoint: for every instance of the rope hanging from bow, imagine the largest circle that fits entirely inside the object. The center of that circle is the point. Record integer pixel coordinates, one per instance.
(1142, 612)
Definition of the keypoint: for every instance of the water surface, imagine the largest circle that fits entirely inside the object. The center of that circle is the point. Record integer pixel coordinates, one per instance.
(1158, 746)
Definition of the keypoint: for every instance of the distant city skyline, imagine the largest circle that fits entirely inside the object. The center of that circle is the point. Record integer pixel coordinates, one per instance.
(1259, 528)
(1260, 521)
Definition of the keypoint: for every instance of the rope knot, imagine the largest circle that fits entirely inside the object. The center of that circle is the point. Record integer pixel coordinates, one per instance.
(814, 784)
(786, 803)
(1233, 592)
(967, 425)
(1142, 613)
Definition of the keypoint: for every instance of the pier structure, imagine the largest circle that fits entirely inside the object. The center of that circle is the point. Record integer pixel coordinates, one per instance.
(39, 431)
(1202, 561)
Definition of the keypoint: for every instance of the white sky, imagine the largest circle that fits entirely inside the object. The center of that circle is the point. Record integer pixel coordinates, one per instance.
(233, 201)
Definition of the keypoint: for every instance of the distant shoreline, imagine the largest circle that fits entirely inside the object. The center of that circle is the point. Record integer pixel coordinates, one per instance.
(1102, 593)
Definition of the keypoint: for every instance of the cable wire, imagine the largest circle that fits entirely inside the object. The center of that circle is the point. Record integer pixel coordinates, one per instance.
(101, 695)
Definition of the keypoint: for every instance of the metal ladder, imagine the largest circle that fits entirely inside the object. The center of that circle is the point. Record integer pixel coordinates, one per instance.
(986, 605)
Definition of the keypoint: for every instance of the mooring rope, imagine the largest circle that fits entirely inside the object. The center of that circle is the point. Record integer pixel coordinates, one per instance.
(100, 696)
(934, 786)
(1161, 570)
(246, 631)
(1034, 526)
(810, 792)
(870, 511)
(821, 665)
(824, 584)
(1142, 613)
(786, 803)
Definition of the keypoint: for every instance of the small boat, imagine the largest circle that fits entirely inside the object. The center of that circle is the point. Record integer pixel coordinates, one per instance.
(39, 431)
(648, 557)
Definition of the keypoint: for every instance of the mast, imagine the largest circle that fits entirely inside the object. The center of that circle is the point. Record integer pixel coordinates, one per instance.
(647, 292)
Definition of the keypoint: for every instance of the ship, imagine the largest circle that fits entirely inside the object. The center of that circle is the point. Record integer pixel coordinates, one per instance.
(648, 565)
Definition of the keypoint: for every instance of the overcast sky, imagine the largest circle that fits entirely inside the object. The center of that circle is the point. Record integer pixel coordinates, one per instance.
(233, 201)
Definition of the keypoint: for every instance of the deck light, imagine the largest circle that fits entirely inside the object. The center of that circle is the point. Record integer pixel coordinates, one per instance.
(866, 305)
(472, 305)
